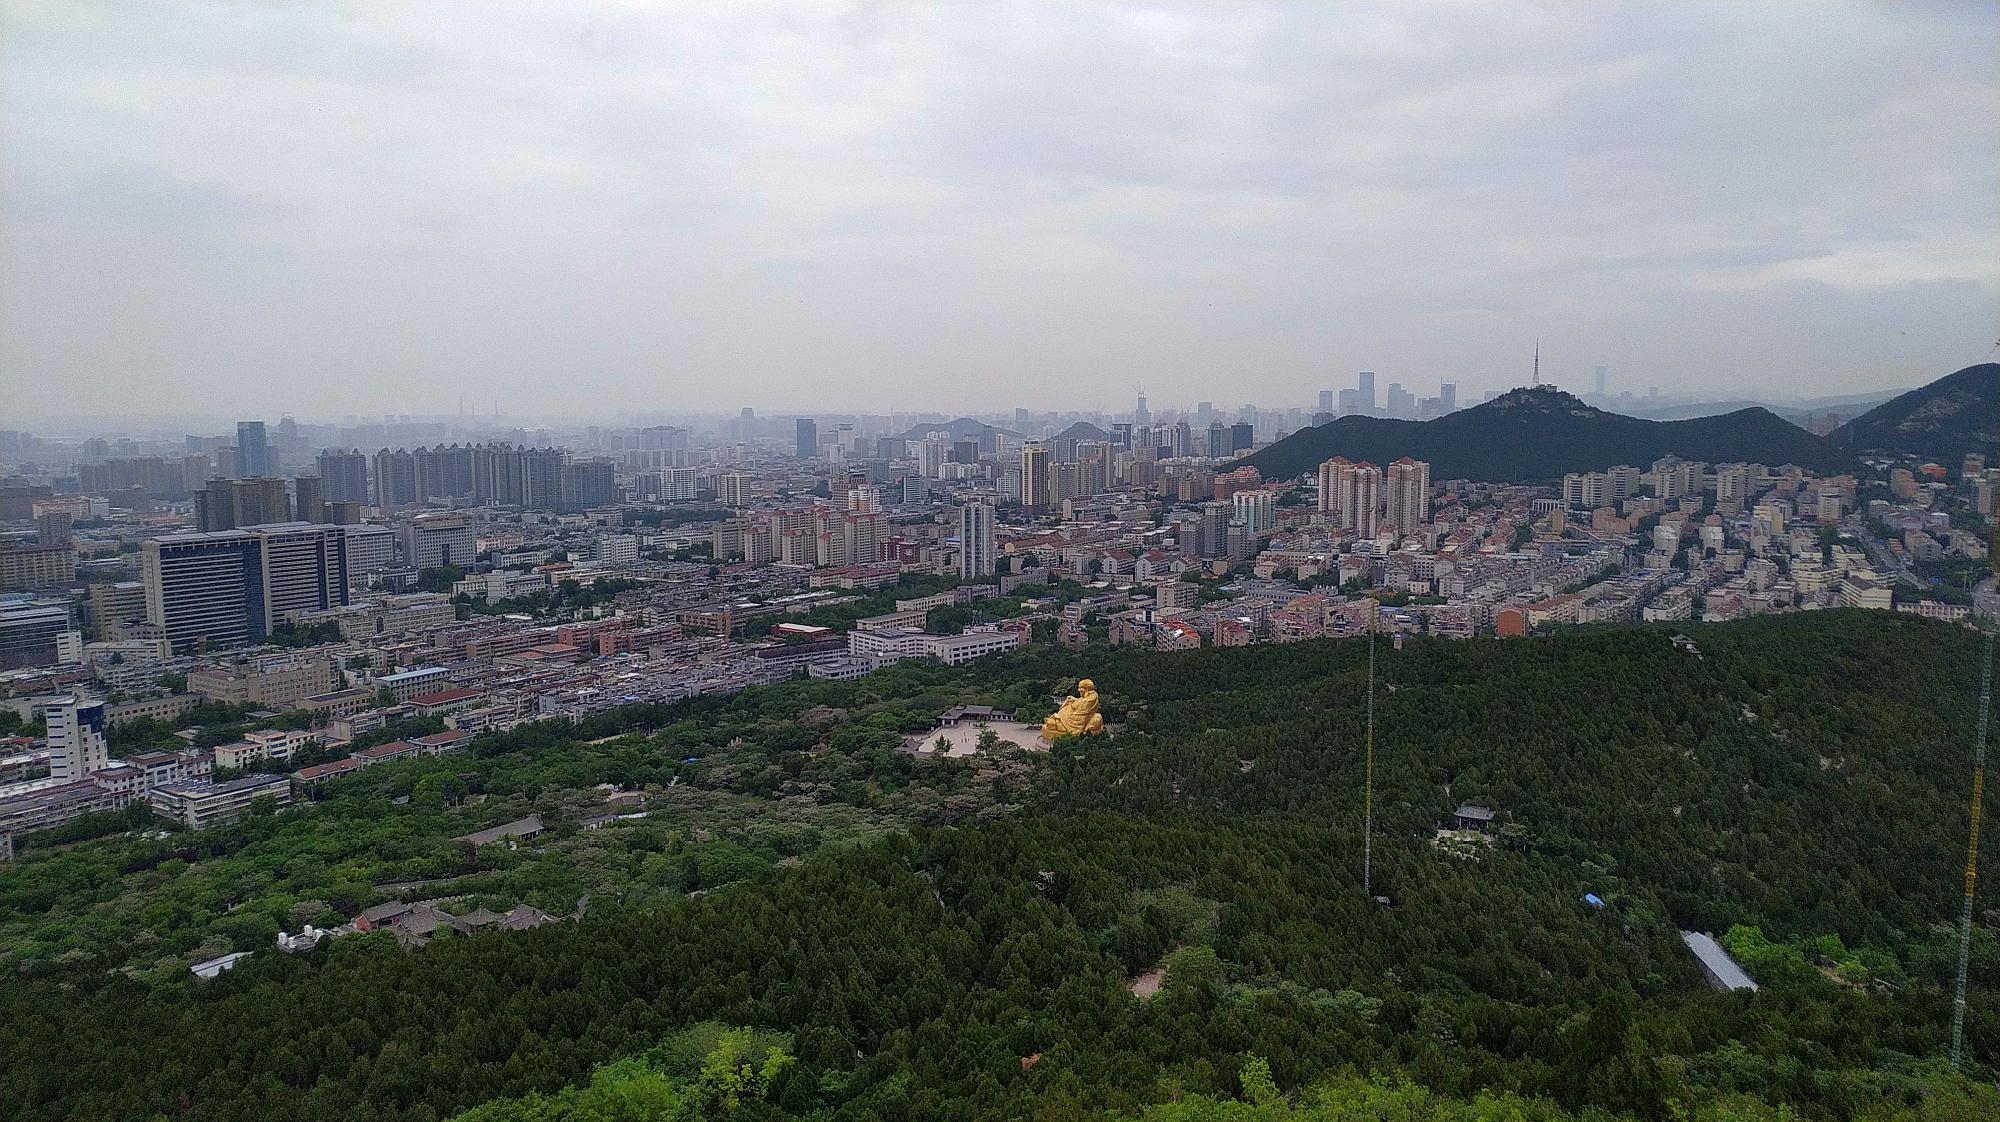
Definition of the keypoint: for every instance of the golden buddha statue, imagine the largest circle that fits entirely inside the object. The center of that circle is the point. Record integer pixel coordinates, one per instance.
(1078, 714)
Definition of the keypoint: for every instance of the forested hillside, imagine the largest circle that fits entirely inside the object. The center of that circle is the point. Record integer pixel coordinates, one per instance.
(1536, 434)
(1803, 775)
(1945, 420)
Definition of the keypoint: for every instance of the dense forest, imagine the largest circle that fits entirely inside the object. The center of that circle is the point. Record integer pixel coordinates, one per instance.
(1164, 923)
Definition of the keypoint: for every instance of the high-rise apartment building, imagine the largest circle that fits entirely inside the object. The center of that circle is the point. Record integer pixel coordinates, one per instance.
(1586, 490)
(1675, 478)
(1063, 482)
(1331, 473)
(808, 439)
(1350, 494)
(77, 744)
(843, 537)
(1625, 483)
(737, 489)
(37, 633)
(1407, 494)
(234, 586)
(842, 483)
(1035, 489)
(304, 570)
(395, 478)
(1365, 503)
(975, 541)
(226, 504)
(531, 478)
(1093, 467)
(663, 437)
(52, 527)
(1326, 401)
(678, 484)
(1772, 515)
(445, 474)
(1257, 510)
(933, 452)
(36, 566)
(114, 607)
(436, 540)
(1213, 530)
(1733, 484)
(865, 499)
(308, 505)
(371, 549)
(1401, 403)
(343, 477)
(589, 483)
(253, 450)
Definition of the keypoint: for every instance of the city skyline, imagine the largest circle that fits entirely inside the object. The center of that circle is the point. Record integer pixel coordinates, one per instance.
(1312, 405)
(598, 210)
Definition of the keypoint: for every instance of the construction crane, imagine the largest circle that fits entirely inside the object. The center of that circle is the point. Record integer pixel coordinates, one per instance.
(1972, 849)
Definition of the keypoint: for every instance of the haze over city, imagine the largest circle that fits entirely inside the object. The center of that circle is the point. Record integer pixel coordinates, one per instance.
(590, 210)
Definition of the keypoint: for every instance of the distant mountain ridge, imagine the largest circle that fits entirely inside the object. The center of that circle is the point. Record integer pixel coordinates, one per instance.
(961, 428)
(1537, 434)
(1956, 414)
(1797, 412)
(1082, 430)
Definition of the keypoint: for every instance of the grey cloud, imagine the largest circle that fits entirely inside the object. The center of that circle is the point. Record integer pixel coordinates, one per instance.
(594, 206)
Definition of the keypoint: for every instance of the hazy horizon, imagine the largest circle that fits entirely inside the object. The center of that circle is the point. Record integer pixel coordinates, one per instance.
(591, 210)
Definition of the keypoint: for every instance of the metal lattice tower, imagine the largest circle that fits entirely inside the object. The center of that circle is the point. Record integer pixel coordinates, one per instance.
(1368, 785)
(1972, 849)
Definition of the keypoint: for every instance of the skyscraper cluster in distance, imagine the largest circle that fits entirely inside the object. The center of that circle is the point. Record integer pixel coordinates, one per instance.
(1398, 403)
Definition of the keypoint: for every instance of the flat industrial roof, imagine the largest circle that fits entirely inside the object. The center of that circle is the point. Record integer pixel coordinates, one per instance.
(1718, 961)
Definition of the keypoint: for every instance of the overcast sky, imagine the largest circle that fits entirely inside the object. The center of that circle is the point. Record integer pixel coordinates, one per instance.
(585, 208)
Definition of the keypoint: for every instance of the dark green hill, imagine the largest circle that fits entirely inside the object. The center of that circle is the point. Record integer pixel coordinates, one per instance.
(1956, 414)
(1534, 435)
(1806, 774)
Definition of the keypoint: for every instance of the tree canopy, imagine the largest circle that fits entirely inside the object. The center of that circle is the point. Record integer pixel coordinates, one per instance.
(1111, 930)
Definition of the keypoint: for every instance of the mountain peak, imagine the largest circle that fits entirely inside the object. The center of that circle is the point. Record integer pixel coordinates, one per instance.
(1543, 398)
(1536, 434)
(1083, 430)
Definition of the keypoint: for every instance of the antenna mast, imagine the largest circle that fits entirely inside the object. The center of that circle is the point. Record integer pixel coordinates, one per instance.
(1368, 786)
(1972, 849)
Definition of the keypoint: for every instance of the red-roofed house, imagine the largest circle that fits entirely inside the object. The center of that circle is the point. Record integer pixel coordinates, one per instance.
(444, 701)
